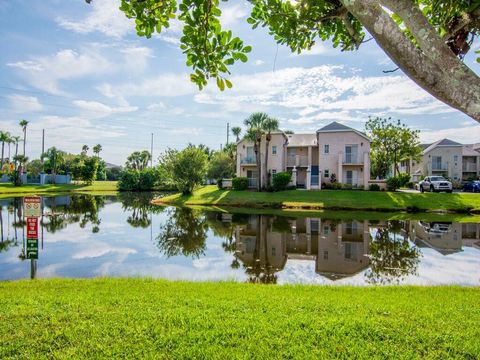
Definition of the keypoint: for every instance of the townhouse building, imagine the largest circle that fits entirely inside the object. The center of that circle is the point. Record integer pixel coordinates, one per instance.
(459, 162)
(334, 153)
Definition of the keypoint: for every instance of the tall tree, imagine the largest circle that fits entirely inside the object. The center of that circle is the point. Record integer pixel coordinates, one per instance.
(55, 158)
(23, 123)
(427, 39)
(269, 125)
(255, 124)
(97, 149)
(392, 142)
(4, 138)
(138, 160)
(236, 131)
(85, 149)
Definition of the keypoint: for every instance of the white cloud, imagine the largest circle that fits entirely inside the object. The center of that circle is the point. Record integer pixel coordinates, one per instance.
(231, 15)
(105, 17)
(259, 62)
(318, 49)
(462, 134)
(168, 85)
(25, 104)
(45, 72)
(102, 109)
(136, 57)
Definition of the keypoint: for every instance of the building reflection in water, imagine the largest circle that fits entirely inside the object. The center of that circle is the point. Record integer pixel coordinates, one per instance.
(385, 251)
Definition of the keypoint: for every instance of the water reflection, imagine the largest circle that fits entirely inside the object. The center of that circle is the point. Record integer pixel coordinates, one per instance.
(84, 236)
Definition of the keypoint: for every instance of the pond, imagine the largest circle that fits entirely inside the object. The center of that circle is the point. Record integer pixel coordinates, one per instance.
(85, 236)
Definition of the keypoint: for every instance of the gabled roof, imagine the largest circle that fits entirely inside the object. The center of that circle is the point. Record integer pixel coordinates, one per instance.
(443, 142)
(334, 126)
(337, 127)
(468, 151)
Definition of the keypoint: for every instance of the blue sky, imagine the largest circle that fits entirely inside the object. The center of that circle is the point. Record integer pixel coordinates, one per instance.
(80, 72)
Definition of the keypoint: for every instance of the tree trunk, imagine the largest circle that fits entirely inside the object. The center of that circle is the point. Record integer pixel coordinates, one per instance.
(267, 178)
(3, 148)
(24, 139)
(431, 64)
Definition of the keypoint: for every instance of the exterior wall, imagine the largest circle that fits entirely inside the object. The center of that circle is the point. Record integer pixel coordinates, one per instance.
(452, 168)
(470, 167)
(334, 160)
(300, 159)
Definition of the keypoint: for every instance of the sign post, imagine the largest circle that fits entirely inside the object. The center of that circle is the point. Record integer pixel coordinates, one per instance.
(32, 210)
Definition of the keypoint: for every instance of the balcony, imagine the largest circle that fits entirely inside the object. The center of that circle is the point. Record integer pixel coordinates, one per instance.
(469, 167)
(439, 166)
(297, 160)
(352, 159)
(248, 160)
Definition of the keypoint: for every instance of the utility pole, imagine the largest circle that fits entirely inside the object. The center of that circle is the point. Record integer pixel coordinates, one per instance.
(43, 149)
(228, 131)
(151, 152)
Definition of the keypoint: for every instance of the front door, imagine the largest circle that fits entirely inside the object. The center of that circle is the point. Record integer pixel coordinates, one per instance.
(349, 174)
(252, 178)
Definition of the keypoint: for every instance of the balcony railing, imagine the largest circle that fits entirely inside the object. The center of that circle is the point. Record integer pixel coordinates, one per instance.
(297, 160)
(439, 166)
(248, 160)
(352, 159)
(469, 167)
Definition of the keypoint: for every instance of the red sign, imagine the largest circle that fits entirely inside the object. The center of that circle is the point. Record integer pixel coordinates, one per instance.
(32, 228)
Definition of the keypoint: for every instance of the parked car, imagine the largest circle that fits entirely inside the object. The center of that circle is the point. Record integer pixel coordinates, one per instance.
(473, 186)
(435, 183)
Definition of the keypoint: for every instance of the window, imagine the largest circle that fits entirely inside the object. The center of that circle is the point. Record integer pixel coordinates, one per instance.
(274, 171)
(325, 255)
(455, 157)
(326, 149)
(274, 150)
(274, 251)
(326, 173)
(325, 230)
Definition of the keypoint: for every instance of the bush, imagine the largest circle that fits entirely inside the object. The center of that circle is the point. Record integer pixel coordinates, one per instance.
(281, 180)
(347, 187)
(410, 185)
(220, 184)
(335, 186)
(128, 180)
(403, 179)
(393, 183)
(147, 179)
(240, 183)
(374, 187)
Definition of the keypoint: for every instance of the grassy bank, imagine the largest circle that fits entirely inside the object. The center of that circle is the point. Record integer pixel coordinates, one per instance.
(8, 190)
(329, 199)
(111, 318)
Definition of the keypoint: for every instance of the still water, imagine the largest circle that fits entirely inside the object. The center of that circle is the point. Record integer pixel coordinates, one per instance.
(84, 236)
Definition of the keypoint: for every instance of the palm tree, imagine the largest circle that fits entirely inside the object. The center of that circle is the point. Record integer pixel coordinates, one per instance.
(96, 149)
(24, 124)
(269, 125)
(255, 131)
(85, 149)
(4, 138)
(236, 130)
(55, 159)
(16, 140)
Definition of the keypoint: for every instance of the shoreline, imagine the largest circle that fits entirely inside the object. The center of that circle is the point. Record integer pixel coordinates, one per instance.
(329, 200)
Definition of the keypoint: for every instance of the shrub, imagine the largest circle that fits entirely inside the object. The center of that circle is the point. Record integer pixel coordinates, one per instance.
(410, 185)
(240, 183)
(333, 178)
(128, 180)
(281, 180)
(220, 184)
(335, 186)
(347, 186)
(374, 187)
(393, 183)
(147, 179)
(403, 179)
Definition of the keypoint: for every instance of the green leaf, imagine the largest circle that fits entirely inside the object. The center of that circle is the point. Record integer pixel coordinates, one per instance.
(228, 83)
(247, 49)
(220, 84)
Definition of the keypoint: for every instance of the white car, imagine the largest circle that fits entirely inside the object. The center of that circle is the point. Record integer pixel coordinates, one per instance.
(435, 183)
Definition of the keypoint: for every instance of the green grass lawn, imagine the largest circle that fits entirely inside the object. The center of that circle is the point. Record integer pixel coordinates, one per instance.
(136, 318)
(329, 199)
(8, 190)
